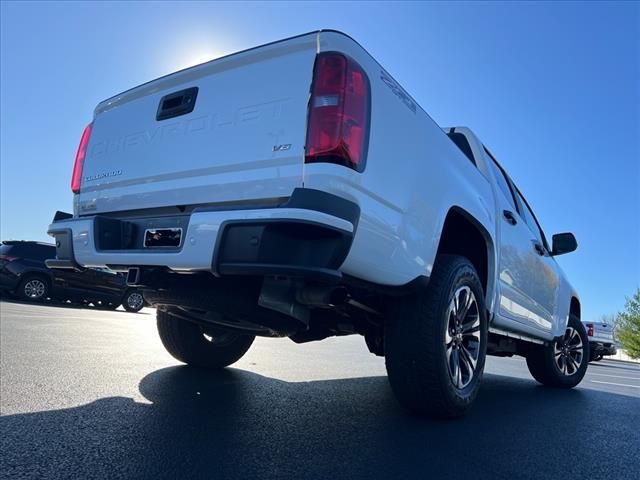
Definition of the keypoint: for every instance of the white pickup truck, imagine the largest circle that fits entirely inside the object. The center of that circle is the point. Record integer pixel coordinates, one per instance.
(296, 189)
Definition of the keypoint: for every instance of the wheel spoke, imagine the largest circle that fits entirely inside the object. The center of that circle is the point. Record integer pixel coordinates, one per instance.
(455, 357)
(448, 352)
(576, 348)
(473, 325)
(468, 370)
(456, 305)
(466, 304)
(468, 358)
(471, 337)
(574, 335)
(572, 362)
(562, 363)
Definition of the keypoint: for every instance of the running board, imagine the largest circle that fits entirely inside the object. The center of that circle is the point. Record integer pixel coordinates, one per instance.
(517, 336)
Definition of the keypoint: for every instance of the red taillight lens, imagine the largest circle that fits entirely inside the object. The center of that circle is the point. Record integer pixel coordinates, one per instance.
(338, 127)
(8, 258)
(589, 330)
(79, 163)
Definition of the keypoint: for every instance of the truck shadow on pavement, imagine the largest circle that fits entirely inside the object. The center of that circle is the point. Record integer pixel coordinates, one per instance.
(236, 424)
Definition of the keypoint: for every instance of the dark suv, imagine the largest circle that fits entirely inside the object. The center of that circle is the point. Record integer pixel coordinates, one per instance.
(23, 273)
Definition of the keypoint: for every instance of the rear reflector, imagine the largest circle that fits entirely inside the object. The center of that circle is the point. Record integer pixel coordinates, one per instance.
(589, 329)
(338, 129)
(76, 177)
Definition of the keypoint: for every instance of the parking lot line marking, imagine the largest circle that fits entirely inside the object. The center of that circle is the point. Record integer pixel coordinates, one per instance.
(617, 384)
(614, 376)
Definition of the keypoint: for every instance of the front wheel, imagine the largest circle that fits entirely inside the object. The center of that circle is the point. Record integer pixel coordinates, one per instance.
(189, 343)
(436, 341)
(563, 362)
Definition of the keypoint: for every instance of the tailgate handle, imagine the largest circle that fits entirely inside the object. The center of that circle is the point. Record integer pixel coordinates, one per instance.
(177, 103)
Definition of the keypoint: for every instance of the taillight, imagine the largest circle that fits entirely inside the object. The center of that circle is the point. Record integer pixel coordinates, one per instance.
(79, 163)
(590, 329)
(338, 129)
(8, 258)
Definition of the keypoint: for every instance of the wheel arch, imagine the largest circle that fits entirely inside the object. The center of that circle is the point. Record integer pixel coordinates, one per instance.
(462, 234)
(47, 277)
(574, 307)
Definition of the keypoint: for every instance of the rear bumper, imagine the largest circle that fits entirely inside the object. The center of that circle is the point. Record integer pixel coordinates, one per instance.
(600, 348)
(308, 236)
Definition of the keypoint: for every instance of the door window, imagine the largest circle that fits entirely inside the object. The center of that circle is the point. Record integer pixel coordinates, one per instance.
(530, 219)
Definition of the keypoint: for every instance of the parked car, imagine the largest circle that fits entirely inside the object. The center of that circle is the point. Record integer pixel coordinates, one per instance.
(23, 272)
(601, 340)
(297, 190)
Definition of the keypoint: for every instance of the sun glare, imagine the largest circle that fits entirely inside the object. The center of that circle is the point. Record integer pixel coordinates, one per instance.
(196, 58)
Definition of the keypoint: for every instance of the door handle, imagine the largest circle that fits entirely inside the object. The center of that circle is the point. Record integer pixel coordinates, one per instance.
(539, 248)
(509, 217)
(177, 103)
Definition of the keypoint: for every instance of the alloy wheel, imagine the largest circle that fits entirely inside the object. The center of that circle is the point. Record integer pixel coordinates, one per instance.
(35, 288)
(568, 352)
(462, 337)
(135, 301)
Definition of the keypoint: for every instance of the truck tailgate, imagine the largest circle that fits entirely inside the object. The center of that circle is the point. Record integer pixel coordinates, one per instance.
(603, 332)
(242, 141)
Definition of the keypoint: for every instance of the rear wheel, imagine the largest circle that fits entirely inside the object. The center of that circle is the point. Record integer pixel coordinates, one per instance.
(189, 343)
(33, 288)
(133, 301)
(435, 342)
(563, 362)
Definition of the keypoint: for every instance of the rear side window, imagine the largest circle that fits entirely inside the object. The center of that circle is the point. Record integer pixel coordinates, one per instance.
(31, 251)
(503, 183)
(463, 144)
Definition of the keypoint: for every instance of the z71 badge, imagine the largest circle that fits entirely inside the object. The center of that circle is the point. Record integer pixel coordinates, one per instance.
(282, 148)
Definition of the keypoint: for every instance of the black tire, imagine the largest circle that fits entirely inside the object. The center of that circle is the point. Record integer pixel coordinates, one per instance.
(133, 301)
(33, 288)
(420, 370)
(542, 360)
(187, 342)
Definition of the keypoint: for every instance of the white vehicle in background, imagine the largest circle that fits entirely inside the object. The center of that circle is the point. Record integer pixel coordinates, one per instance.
(601, 340)
(296, 189)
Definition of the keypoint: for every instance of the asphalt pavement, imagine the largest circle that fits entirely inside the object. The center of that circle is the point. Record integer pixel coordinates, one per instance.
(92, 394)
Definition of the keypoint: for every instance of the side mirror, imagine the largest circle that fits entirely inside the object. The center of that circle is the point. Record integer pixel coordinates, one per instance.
(563, 243)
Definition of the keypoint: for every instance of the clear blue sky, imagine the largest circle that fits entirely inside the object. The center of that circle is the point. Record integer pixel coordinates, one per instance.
(552, 88)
